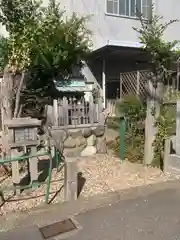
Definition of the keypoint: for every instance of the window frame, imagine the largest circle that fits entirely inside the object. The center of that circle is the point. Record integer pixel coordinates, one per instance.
(125, 15)
(106, 3)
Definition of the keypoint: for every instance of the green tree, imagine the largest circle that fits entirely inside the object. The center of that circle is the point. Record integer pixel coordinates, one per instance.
(151, 35)
(162, 58)
(43, 45)
(3, 53)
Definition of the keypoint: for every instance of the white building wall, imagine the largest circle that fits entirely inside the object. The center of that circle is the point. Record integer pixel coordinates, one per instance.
(118, 30)
(104, 28)
(170, 10)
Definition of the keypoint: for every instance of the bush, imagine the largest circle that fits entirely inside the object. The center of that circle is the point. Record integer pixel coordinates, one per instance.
(134, 112)
(113, 123)
(166, 127)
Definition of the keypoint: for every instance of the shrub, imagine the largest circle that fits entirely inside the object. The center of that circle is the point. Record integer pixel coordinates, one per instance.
(166, 127)
(134, 112)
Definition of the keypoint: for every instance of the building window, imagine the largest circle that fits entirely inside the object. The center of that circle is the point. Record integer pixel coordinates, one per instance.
(129, 8)
(112, 6)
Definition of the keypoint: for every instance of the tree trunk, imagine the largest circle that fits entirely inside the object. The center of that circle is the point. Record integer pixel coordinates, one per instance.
(6, 96)
(18, 96)
(154, 100)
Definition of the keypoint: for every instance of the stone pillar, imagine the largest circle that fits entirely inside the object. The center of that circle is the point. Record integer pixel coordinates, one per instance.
(90, 149)
(150, 128)
(55, 112)
(70, 179)
(100, 139)
(101, 145)
(167, 149)
(15, 171)
(33, 165)
(178, 128)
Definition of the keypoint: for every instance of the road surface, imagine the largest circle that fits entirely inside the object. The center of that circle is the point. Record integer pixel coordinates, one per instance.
(155, 216)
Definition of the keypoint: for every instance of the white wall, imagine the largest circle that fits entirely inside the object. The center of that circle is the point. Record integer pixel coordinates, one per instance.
(104, 27)
(118, 29)
(170, 10)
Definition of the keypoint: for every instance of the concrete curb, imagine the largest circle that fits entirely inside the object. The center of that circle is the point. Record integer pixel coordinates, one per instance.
(53, 213)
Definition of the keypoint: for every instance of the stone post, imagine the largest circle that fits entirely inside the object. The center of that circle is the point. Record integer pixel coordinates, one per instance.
(15, 173)
(70, 179)
(33, 165)
(55, 112)
(178, 128)
(150, 129)
(167, 149)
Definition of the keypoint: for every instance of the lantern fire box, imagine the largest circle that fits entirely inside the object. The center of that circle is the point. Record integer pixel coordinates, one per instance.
(22, 132)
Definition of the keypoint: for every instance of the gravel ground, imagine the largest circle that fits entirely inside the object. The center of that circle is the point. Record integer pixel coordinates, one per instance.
(98, 174)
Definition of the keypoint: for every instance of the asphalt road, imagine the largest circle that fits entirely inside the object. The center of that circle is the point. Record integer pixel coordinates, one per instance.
(156, 217)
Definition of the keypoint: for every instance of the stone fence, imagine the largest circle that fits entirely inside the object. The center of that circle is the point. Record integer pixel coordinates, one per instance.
(85, 140)
(77, 127)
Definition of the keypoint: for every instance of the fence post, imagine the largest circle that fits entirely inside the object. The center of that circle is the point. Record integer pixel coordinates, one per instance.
(178, 75)
(121, 84)
(70, 179)
(99, 108)
(150, 128)
(33, 165)
(65, 111)
(15, 172)
(122, 137)
(91, 109)
(167, 151)
(178, 127)
(55, 112)
(138, 83)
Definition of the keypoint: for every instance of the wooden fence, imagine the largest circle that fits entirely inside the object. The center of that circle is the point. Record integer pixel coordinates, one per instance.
(72, 111)
(111, 107)
(134, 83)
